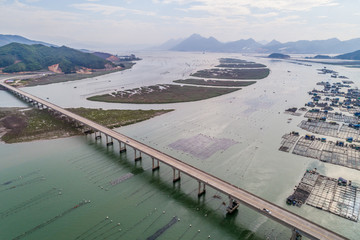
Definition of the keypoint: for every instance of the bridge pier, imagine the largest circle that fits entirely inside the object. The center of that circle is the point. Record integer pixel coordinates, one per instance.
(295, 235)
(233, 205)
(176, 177)
(97, 136)
(202, 190)
(153, 165)
(122, 149)
(109, 143)
(137, 158)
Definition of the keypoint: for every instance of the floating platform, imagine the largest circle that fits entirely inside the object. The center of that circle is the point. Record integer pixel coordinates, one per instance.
(331, 116)
(344, 154)
(326, 194)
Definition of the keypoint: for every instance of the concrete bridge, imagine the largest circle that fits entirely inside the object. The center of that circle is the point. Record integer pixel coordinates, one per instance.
(297, 224)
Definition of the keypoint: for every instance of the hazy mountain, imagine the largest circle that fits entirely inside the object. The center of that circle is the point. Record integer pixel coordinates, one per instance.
(6, 39)
(198, 43)
(17, 57)
(350, 56)
(169, 44)
(249, 45)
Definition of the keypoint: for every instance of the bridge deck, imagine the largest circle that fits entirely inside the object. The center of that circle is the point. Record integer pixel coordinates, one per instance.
(281, 215)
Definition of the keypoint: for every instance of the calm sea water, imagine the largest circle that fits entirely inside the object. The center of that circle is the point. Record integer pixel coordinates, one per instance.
(42, 182)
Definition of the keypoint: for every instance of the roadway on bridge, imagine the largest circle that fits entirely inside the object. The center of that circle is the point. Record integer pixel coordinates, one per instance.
(281, 215)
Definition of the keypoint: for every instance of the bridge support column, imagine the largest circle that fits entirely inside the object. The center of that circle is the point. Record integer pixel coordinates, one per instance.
(122, 149)
(233, 205)
(153, 165)
(109, 143)
(202, 190)
(97, 136)
(137, 158)
(295, 235)
(176, 177)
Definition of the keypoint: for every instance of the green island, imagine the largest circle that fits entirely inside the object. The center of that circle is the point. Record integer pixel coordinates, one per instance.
(23, 125)
(57, 78)
(233, 73)
(164, 93)
(218, 83)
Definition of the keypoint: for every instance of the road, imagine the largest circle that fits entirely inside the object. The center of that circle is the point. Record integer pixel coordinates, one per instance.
(279, 214)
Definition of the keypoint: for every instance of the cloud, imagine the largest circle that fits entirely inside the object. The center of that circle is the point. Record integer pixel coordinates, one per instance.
(109, 9)
(281, 5)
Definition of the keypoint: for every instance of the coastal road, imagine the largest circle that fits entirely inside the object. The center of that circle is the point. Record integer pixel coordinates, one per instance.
(279, 214)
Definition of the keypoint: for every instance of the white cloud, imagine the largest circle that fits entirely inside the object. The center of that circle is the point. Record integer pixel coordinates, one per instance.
(109, 9)
(281, 5)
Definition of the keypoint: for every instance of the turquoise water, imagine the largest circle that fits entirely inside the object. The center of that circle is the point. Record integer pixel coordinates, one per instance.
(59, 174)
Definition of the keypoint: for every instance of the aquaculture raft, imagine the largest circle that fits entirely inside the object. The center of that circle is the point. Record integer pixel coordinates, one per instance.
(328, 194)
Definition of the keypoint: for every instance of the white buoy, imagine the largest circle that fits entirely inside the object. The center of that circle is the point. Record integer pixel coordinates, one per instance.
(199, 230)
(190, 225)
(118, 224)
(209, 236)
(163, 212)
(107, 217)
(178, 219)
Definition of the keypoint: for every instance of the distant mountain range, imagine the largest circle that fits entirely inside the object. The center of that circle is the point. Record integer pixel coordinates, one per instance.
(198, 43)
(347, 56)
(17, 57)
(6, 39)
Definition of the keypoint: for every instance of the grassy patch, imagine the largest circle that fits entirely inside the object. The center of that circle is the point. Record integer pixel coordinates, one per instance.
(216, 82)
(241, 65)
(233, 73)
(34, 124)
(163, 94)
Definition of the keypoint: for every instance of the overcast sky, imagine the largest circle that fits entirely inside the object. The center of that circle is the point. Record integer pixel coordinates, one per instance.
(108, 24)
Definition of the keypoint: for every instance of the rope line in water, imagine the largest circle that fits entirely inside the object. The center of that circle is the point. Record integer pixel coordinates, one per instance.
(50, 220)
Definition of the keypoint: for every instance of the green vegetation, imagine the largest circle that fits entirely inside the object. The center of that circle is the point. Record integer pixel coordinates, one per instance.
(34, 124)
(56, 78)
(17, 57)
(163, 94)
(117, 118)
(215, 82)
(241, 65)
(258, 73)
(279, 55)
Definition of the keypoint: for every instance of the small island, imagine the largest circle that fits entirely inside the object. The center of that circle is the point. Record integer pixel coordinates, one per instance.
(279, 56)
(163, 93)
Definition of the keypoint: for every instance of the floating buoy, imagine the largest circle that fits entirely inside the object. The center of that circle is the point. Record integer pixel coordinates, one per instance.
(190, 225)
(107, 217)
(199, 230)
(118, 224)
(163, 212)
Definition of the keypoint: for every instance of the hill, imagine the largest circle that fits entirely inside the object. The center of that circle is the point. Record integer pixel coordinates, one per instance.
(350, 56)
(198, 43)
(279, 55)
(6, 39)
(17, 57)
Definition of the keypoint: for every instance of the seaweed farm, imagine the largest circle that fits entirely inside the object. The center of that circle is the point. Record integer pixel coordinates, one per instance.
(337, 196)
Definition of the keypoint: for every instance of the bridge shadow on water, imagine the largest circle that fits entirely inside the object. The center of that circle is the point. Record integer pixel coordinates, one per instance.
(198, 205)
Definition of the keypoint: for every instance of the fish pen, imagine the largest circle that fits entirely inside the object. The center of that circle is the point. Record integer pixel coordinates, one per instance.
(336, 196)
(320, 127)
(338, 117)
(288, 141)
(339, 153)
